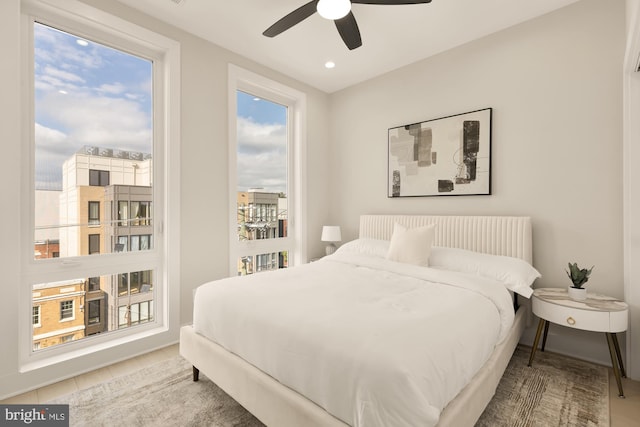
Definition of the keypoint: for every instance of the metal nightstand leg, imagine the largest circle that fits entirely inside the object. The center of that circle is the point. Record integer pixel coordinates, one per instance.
(536, 340)
(544, 335)
(616, 358)
(617, 347)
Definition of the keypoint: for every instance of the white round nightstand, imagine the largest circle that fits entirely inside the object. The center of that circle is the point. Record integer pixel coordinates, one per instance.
(598, 313)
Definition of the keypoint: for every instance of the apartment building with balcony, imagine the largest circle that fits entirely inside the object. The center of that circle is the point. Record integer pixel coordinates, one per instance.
(261, 215)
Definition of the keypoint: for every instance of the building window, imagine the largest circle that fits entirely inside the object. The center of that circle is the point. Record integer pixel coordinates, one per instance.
(66, 310)
(98, 178)
(140, 243)
(94, 213)
(94, 312)
(141, 213)
(123, 212)
(36, 315)
(123, 316)
(123, 284)
(94, 244)
(135, 282)
(122, 245)
(66, 338)
(94, 284)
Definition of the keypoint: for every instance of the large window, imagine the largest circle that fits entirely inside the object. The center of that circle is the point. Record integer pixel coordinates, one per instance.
(100, 130)
(265, 174)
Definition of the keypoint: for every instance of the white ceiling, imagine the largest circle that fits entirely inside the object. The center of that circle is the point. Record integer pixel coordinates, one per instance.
(392, 36)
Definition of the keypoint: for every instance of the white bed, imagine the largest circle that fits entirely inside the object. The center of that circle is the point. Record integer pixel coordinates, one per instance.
(279, 354)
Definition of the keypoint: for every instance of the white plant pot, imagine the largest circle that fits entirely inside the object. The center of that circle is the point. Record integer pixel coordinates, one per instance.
(577, 294)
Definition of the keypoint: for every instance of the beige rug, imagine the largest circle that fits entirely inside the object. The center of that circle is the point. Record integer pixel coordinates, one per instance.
(556, 391)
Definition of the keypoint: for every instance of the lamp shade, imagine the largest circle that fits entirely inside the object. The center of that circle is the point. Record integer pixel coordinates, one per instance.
(331, 233)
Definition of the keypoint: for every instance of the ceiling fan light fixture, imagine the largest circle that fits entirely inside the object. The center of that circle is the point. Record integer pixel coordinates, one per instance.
(334, 9)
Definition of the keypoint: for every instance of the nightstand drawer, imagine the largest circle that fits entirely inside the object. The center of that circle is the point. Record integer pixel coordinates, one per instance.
(597, 321)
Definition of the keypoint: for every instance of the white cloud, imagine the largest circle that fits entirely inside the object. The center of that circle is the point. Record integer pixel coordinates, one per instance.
(48, 136)
(112, 89)
(52, 150)
(62, 75)
(104, 121)
(262, 156)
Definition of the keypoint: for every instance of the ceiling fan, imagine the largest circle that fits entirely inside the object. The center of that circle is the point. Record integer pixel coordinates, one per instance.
(337, 10)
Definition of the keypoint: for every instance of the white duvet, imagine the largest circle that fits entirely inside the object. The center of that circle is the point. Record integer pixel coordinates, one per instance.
(374, 342)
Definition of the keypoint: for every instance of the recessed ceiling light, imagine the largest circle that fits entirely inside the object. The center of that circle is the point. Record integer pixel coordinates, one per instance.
(64, 92)
(329, 64)
(256, 99)
(82, 42)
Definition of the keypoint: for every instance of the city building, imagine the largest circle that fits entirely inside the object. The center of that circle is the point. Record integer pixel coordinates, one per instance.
(261, 215)
(105, 206)
(58, 313)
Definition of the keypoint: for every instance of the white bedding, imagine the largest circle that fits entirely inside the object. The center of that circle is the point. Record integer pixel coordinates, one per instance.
(374, 342)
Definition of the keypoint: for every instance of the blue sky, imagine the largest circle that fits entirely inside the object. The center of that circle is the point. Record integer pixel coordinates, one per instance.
(86, 94)
(90, 94)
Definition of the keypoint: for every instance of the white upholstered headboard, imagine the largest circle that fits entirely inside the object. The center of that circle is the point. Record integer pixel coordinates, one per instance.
(497, 235)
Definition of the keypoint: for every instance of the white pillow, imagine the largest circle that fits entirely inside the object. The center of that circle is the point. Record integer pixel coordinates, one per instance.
(411, 245)
(366, 246)
(517, 275)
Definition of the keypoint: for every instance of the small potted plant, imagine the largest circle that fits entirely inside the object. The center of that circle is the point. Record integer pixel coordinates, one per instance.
(579, 276)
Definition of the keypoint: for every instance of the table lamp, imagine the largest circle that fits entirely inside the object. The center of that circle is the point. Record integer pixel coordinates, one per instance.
(331, 233)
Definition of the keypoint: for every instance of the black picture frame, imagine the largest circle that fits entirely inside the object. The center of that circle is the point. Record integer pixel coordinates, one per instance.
(446, 156)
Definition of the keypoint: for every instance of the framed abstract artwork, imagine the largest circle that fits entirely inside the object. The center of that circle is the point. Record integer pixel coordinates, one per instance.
(446, 156)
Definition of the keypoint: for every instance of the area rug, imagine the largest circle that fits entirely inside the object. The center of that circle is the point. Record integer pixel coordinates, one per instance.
(555, 391)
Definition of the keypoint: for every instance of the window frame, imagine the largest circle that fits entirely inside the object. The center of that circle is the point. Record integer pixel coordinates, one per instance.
(103, 178)
(72, 310)
(91, 283)
(36, 313)
(93, 221)
(86, 21)
(91, 303)
(92, 244)
(294, 243)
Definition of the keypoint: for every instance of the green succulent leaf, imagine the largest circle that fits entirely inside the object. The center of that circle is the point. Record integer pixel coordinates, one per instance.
(579, 276)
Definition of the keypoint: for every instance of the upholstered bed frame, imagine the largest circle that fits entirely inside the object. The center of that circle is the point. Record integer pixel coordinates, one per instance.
(277, 405)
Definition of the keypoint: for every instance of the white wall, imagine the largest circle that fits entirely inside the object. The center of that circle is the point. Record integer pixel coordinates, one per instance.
(204, 146)
(555, 86)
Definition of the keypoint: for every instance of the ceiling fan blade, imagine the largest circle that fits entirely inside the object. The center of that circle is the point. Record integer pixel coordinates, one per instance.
(348, 29)
(295, 17)
(391, 2)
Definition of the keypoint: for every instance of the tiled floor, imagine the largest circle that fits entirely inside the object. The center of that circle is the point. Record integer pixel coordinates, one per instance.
(624, 412)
